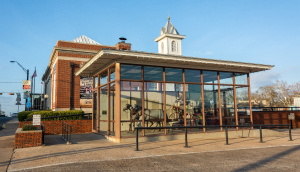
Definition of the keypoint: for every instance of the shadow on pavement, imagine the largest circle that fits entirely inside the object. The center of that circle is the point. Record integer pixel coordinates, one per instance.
(260, 163)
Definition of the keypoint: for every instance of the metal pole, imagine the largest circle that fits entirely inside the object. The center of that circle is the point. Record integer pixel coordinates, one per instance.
(261, 141)
(186, 144)
(226, 133)
(137, 140)
(290, 133)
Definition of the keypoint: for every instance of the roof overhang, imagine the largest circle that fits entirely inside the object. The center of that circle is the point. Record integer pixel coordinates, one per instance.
(170, 36)
(105, 58)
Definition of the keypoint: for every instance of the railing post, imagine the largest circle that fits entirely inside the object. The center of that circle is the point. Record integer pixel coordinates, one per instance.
(186, 144)
(226, 133)
(137, 140)
(260, 131)
(290, 133)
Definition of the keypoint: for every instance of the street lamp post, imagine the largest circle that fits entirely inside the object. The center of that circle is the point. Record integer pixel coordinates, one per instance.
(26, 71)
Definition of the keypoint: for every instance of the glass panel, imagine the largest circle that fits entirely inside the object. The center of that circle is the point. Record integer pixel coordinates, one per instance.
(192, 75)
(242, 101)
(112, 128)
(112, 101)
(96, 82)
(226, 78)
(241, 79)
(174, 106)
(211, 106)
(103, 103)
(210, 77)
(173, 74)
(95, 111)
(153, 105)
(193, 100)
(131, 72)
(112, 73)
(131, 106)
(153, 73)
(103, 127)
(227, 105)
(103, 78)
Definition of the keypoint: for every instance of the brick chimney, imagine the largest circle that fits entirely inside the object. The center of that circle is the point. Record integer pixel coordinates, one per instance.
(123, 46)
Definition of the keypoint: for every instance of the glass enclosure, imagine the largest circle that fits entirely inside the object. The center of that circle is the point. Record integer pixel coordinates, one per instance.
(154, 96)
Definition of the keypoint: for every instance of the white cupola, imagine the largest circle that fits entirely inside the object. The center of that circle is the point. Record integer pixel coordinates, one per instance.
(169, 41)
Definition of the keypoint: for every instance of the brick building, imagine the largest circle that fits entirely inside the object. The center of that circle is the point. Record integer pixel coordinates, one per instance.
(64, 90)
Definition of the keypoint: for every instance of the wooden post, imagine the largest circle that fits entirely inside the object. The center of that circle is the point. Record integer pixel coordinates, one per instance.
(184, 100)
(108, 102)
(202, 94)
(118, 102)
(219, 96)
(250, 104)
(143, 102)
(165, 106)
(235, 104)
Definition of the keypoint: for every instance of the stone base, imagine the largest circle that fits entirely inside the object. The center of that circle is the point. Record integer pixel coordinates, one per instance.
(30, 138)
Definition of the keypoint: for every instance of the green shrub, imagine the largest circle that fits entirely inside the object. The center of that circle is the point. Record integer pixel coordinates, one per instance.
(27, 127)
(58, 113)
(23, 115)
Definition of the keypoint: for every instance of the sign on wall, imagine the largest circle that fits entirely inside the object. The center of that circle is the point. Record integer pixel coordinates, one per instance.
(36, 119)
(26, 85)
(86, 90)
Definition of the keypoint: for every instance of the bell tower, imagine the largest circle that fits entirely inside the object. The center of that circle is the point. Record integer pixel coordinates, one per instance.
(169, 41)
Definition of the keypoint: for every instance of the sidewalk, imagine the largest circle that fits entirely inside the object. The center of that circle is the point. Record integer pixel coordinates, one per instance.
(95, 149)
(7, 141)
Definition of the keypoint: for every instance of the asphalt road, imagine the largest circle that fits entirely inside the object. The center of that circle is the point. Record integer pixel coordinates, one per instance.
(283, 158)
(4, 120)
(7, 140)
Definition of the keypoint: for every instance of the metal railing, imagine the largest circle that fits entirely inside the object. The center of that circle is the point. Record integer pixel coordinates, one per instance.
(66, 132)
(85, 116)
(43, 133)
(214, 126)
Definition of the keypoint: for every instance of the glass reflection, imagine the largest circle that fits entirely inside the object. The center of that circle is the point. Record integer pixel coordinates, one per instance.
(173, 74)
(131, 107)
(210, 77)
(95, 111)
(192, 75)
(103, 108)
(103, 77)
(226, 78)
(241, 79)
(227, 105)
(174, 105)
(96, 82)
(153, 73)
(211, 105)
(193, 100)
(131, 72)
(112, 73)
(153, 106)
(242, 100)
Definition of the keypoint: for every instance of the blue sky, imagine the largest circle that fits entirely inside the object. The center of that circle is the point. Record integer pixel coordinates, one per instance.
(265, 32)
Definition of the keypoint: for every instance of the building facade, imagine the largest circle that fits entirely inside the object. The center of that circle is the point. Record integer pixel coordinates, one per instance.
(133, 88)
(64, 90)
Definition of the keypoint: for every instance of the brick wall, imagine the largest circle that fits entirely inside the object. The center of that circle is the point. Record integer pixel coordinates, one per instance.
(55, 127)
(276, 117)
(31, 139)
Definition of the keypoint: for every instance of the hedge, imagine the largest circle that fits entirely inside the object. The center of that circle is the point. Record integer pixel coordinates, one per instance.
(58, 113)
(27, 127)
(23, 115)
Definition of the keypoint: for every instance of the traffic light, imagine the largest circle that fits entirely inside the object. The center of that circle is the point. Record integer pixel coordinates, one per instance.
(11, 93)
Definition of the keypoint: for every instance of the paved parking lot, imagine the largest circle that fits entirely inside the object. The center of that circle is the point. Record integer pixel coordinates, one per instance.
(98, 154)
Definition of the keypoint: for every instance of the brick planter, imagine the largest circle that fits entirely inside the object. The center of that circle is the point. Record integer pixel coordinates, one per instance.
(54, 127)
(25, 139)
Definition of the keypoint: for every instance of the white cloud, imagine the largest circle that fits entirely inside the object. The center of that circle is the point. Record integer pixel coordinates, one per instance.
(263, 78)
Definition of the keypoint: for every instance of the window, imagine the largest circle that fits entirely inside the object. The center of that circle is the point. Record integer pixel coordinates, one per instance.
(162, 47)
(153, 86)
(173, 46)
